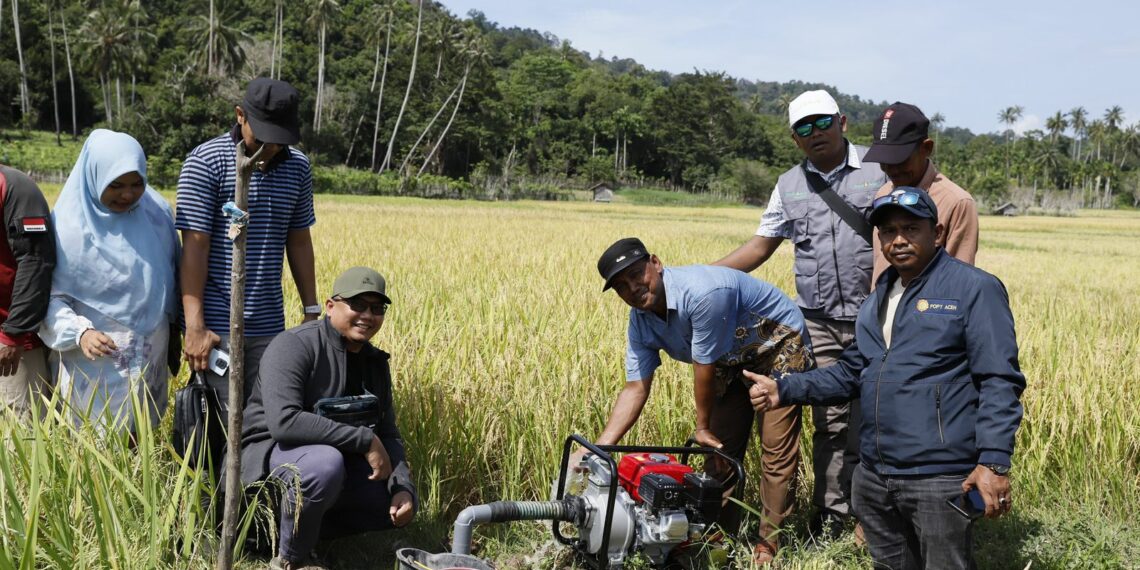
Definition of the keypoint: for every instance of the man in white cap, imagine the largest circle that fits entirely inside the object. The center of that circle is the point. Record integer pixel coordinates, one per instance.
(822, 205)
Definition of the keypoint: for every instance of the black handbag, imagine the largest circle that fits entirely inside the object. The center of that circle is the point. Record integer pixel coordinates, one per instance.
(363, 410)
(199, 434)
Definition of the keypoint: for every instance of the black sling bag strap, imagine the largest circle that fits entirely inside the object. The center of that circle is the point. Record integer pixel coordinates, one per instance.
(849, 215)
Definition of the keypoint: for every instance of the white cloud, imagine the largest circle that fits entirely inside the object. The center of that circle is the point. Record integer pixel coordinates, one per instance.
(1027, 123)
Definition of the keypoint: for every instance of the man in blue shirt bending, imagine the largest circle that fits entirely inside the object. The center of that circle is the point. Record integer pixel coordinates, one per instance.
(722, 321)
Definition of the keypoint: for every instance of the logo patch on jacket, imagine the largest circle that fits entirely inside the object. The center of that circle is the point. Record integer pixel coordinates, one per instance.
(34, 225)
(937, 306)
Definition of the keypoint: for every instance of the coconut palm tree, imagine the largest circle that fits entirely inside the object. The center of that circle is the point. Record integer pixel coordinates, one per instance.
(475, 50)
(1050, 159)
(106, 36)
(275, 61)
(25, 106)
(936, 121)
(1129, 143)
(1056, 125)
(1097, 130)
(222, 52)
(1009, 117)
(70, 76)
(408, 91)
(54, 88)
(445, 36)
(784, 101)
(1113, 117)
(1078, 119)
(386, 13)
(378, 14)
(324, 12)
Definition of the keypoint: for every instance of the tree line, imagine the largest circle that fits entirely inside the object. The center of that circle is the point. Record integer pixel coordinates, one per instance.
(405, 89)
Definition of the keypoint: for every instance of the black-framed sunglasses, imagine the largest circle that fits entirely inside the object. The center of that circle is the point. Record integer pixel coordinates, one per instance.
(823, 123)
(900, 198)
(359, 306)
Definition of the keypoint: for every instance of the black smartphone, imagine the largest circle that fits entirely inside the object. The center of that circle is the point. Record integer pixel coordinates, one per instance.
(970, 504)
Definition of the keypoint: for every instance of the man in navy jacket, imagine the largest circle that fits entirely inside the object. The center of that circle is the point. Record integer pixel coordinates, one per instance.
(935, 364)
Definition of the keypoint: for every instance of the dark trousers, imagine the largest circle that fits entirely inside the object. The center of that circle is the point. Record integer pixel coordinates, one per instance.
(907, 522)
(335, 496)
(835, 442)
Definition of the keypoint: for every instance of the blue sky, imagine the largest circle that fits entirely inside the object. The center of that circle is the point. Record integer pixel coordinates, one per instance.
(967, 60)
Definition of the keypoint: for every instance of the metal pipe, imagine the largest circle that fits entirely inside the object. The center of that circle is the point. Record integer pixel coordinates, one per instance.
(569, 509)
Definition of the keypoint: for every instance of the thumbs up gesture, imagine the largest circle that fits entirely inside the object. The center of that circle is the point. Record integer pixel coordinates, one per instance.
(763, 394)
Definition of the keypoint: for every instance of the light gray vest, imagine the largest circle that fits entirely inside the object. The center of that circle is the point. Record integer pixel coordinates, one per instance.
(833, 264)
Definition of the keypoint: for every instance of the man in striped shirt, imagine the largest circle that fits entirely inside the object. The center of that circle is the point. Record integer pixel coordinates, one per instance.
(280, 215)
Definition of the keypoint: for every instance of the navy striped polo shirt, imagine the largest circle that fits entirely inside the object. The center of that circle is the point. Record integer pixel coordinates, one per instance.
(280, 200)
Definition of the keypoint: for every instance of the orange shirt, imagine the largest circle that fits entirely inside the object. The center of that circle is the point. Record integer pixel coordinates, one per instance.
(957, 212)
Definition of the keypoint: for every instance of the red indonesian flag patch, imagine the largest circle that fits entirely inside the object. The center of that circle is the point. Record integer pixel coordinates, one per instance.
(34, 225)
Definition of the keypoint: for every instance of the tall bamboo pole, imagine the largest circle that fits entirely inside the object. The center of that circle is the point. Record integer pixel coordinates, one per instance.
(244, 167)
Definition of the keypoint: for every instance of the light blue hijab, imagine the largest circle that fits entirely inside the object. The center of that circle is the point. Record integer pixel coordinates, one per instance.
(119, 264)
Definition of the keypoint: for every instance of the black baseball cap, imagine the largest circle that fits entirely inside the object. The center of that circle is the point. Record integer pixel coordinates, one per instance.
(913, 200)
(270, 106)
(623, 253)
(897, 132)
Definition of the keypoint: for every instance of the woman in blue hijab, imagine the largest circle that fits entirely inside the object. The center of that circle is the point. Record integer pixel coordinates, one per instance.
(114, 290)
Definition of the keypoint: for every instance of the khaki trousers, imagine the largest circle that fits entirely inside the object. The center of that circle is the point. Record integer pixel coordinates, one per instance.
(25, 389)
(731, 422)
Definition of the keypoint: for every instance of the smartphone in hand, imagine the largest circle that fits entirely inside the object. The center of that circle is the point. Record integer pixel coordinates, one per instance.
(970, 505)
(218, 362)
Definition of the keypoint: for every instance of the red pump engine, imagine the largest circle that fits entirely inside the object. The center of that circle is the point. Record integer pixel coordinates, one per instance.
(633, 467)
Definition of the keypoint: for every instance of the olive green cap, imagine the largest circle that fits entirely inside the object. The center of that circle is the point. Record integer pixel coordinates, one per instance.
(358, 280)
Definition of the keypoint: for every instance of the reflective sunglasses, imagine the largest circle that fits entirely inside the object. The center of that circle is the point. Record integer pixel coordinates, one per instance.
(900, 198)
(822, 123)
(359, 306)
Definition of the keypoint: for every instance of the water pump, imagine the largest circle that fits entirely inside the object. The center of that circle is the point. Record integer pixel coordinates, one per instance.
(647, 502)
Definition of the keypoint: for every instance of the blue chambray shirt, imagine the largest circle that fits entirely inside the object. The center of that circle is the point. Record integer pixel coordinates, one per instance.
(713, 315)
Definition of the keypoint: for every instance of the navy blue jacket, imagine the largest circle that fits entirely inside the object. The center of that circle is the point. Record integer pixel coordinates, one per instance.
(946, 396)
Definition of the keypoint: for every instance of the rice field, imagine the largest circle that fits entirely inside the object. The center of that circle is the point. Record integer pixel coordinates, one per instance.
(503, 343)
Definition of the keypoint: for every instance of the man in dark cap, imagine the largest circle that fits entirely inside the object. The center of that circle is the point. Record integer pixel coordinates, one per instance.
(902, 146)
(722, 321)
(280, 215)
(935, 361)
(345, 471)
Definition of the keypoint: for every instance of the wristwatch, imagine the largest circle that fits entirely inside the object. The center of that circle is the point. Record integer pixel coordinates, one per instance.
(312, 309)
(1002, 470)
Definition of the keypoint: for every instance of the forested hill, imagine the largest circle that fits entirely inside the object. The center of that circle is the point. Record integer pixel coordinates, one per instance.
(481, 102)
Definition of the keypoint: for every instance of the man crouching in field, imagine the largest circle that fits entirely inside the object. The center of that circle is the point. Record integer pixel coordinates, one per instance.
(322, 411)
(935, 362)
(723, 322)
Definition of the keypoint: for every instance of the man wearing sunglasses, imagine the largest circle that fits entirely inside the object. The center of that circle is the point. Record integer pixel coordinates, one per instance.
(902, 147)
(935, 361)
(821, 206)
(352, 470)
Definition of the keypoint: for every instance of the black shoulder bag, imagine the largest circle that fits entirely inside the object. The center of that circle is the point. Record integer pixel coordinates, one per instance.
(198, 433)
(848, 214)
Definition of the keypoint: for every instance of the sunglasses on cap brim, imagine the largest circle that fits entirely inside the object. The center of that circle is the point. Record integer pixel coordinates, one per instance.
(900, 198)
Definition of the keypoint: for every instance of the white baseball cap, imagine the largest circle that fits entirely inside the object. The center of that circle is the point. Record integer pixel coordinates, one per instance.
(810, 103)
